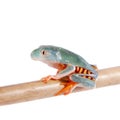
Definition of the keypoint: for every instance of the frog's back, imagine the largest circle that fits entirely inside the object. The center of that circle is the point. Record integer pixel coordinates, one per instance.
(65, 56)
(72, 58)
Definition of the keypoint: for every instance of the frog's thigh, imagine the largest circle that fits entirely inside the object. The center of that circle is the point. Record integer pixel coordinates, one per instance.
(83, 82)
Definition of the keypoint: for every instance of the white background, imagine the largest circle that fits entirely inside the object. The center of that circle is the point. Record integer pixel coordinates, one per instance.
(90, 28)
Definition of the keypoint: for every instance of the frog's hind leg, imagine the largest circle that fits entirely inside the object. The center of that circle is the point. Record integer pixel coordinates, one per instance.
(76, 81)
(83, 82)
(68, 88)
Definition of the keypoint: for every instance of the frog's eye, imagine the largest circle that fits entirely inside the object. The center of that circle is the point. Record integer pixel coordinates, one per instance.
(43, 52)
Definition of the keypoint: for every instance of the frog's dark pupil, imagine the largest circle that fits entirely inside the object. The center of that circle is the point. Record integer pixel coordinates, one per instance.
(43, 52)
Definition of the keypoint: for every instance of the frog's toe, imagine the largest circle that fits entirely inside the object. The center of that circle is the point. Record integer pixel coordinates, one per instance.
(46, 79)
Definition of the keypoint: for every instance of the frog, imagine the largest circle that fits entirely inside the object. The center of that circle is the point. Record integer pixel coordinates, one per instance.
(68, 64)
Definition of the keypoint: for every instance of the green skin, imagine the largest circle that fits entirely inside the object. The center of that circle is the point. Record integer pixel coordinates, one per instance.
(53, 55)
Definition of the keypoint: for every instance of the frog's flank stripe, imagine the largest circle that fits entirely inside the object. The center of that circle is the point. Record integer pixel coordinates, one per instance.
(83, 71)
(77, 69)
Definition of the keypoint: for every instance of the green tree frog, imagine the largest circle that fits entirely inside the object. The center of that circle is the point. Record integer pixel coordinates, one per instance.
(77, 69)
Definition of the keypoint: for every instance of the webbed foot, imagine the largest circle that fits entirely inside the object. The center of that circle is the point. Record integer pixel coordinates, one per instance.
(67, 89)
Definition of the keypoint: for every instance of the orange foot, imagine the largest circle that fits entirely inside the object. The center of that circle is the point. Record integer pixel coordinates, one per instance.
(67, 89)
(46, 79)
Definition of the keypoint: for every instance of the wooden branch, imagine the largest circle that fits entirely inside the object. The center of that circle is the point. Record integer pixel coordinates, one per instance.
(37, 89)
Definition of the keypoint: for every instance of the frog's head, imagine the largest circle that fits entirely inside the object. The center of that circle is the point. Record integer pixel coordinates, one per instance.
(47, 54)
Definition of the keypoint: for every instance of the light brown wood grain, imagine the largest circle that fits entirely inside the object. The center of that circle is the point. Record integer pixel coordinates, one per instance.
(37, 89)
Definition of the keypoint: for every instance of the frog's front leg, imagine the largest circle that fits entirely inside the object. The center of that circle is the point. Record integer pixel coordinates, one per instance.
(65, 72)
(83, 82)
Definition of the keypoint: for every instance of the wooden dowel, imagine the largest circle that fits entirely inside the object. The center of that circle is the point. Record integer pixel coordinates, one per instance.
(37, 89)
